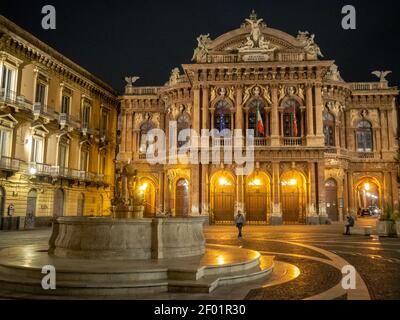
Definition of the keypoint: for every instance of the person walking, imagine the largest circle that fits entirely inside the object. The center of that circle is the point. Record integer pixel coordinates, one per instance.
(240, 220)
(350, 223)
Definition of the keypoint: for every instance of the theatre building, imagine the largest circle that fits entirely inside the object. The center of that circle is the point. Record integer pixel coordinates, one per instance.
(57, 134)
(323, 146)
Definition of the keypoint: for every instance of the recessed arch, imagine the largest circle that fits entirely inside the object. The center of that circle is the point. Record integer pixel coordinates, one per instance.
(293, 197)
(148, 187)
(368, 193)
(258, 197)
(223, 188)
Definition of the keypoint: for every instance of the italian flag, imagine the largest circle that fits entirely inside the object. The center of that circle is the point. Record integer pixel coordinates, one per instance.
(295, 128)
(260, 124)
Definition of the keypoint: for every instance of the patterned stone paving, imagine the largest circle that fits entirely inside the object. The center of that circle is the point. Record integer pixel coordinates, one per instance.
(376, 259)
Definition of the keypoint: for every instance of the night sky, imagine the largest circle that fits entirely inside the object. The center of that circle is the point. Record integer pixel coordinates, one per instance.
(113, 39)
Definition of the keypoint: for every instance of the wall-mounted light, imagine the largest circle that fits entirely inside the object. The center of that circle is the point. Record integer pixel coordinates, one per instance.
(32, 171)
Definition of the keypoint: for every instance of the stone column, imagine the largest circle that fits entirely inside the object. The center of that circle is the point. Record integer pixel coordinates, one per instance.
(205, 208)
(323, 216)
(352, 204)
(123, 130)
(390, 132)
(312, 216)
(205, 110)
(167, 197)
(195, 178)
(275, 139)
(319, 107)
(276, 218)
(310, 115)
(239, 110)
(385, 142)
(129, 131)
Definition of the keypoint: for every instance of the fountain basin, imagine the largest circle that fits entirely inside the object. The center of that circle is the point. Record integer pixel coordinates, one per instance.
(122, 239)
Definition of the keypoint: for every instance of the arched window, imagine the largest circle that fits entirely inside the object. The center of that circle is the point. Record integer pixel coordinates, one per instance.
(223, 116)
(292, 119)
(258, 120)
(364, 137)
(183, 123)
(329, 129)
(145, 139)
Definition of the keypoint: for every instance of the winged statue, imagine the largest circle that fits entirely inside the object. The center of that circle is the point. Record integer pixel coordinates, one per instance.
(131, 80)
(382, 75)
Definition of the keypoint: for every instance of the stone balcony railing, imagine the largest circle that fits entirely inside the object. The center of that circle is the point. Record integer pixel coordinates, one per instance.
(369, 86)
(10, 164)
(39, 169)
(142, 91)
(340, 152)
(292, 142)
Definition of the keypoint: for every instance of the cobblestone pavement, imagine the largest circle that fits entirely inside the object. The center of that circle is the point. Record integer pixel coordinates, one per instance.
(377, 260)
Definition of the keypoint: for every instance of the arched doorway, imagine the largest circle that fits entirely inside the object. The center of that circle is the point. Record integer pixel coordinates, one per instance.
(58, 210)
(2, 201)
(293, 196)
(368, 195)
(182, 198)
(149, 195)
(81, 205)
(223, 197)
(258, 200)
(332, 200)
(31, 209)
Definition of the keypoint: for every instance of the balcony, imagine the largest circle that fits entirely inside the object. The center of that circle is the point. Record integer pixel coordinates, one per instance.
(39, 169)
(292, 142)
(365, 155)
(222, 142)
(41, 110)
(68, 120)
(10, 164)
(8, 96)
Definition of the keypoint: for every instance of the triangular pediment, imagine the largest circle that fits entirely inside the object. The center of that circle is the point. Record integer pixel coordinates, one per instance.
(8, 120)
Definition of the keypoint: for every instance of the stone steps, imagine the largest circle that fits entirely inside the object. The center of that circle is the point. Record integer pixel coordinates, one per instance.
(19, 282)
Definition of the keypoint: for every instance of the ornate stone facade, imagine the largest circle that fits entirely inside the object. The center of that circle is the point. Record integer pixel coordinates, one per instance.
(58, 134)
(327, 147)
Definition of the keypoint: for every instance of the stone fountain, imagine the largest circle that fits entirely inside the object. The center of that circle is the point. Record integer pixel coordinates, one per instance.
(127, 255)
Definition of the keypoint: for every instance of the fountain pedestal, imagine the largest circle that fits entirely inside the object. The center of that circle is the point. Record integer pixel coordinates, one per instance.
(135, 239)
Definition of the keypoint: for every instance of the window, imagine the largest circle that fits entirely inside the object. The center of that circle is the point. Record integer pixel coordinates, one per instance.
(145, 139)
(84, 159)
(5, 142)
(104, 122)
(364, 137)
(102, 163)
(63, 152)
(65, 104)
(183, 123)
(8, 81)
(37, 149)
(257, 118)
(329, 129)
(223, 116)
(291, 119)
(40, 93)
(85, 115)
